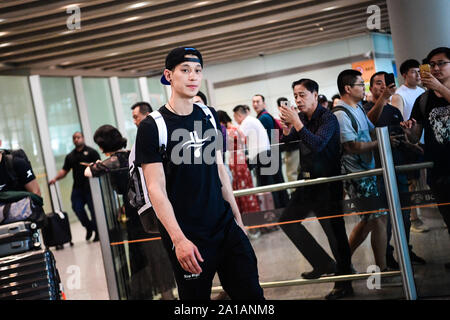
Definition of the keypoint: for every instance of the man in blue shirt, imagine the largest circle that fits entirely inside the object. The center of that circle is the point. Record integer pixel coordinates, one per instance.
(357, 156)
(318, 131)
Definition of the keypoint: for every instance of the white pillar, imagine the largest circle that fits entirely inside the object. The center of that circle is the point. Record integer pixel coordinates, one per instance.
(83, 111)
(418, 27)
(143, 88)
(44, 134)
(117, 102)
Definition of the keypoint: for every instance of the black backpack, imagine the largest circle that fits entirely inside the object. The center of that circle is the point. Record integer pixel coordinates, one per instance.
(9, 156)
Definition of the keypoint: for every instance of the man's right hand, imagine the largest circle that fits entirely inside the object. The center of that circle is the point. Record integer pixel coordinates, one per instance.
(187, 255)
(408, 124)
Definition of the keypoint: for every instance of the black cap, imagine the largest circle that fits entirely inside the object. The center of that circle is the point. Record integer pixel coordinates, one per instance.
(321, 98)
(177, 56)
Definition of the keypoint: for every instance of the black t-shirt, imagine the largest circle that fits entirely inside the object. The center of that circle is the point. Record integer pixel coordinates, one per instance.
(192, 179)
(23, 173)
(436, 123)
(390, 117)
(72, 161)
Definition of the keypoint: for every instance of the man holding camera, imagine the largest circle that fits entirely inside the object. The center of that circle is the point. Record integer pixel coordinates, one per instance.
(383, 114)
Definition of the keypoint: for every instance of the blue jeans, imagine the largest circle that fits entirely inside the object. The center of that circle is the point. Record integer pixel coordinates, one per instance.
(80, 198)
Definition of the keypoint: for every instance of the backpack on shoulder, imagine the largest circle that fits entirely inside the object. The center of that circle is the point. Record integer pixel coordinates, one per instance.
(138, 197)
(9, 155)
(277, 125)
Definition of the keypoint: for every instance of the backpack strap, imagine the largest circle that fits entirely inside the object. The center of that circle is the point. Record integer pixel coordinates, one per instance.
(349, 114)
(208, 113)
(162, 128)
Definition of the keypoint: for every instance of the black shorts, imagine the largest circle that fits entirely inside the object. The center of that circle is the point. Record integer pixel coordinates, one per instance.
(234, 261)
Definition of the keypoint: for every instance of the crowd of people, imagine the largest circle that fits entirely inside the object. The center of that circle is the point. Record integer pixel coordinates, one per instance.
(201, 228)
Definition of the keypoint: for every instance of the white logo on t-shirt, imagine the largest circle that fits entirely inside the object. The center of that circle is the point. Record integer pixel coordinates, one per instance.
(440, 123)
(29, 173)
(196, 143)
(2, 186)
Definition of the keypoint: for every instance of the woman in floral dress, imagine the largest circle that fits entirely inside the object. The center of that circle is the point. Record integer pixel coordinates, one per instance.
(242, 178)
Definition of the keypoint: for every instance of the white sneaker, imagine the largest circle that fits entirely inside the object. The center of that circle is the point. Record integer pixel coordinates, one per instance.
(418, 226)
(254, 234)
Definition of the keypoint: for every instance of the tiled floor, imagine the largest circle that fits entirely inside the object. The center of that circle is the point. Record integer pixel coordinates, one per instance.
(81, 267)
(278, 259)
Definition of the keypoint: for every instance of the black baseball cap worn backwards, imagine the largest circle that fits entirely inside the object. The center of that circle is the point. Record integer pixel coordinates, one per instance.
(177, 56)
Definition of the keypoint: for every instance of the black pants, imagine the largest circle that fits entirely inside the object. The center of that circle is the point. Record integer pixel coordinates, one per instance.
(280, 198)
(323, 200)
(80, 198)
(440, 187)
(234, 261)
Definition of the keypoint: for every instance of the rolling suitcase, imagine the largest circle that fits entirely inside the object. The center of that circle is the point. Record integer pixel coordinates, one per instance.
(57, 231)
(30, 276)
(19, 237)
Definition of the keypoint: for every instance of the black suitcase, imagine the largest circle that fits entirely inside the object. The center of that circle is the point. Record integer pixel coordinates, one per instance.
(30, 276)
(19, 237)
(57, 231)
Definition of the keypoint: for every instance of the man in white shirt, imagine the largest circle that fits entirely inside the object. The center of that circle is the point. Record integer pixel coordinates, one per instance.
(404, 99)
(407, 93)
(257, 139)
(262, 158)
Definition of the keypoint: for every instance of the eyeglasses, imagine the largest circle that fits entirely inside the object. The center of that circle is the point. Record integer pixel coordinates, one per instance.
(439, 64)
(359, 84)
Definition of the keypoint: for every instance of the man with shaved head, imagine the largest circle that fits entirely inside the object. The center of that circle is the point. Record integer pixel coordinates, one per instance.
(81, 192)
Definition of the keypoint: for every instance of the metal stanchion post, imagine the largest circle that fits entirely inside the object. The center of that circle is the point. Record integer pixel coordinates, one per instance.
(398, 227)
(102, 227)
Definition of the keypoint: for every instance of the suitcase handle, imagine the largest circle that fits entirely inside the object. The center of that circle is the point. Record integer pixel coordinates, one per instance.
(59, 212)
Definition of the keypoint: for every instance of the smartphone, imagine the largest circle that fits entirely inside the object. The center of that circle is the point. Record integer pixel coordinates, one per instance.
(285, 104)
(389, 79)
(424, 68)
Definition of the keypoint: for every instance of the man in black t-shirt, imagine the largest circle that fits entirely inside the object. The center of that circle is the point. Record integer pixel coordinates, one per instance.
(391, 117)
(81, 191)
(200, 223)
(431, 113)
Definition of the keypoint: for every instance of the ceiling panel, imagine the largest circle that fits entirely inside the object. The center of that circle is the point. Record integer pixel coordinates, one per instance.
(133, 37)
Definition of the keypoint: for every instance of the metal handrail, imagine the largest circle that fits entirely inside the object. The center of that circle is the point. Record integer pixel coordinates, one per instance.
(302, 183)
(299, 282)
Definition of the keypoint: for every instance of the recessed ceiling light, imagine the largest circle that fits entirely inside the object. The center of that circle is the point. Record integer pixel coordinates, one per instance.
(5, 44)
(201, 3)
(272, 21)
(67, 32)
(131, 18)
(112, 54)
(321, 29)
(71, 5)
(329, 8)
(1, 20)
(65, 63)
(3, 33)
(138, 5)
